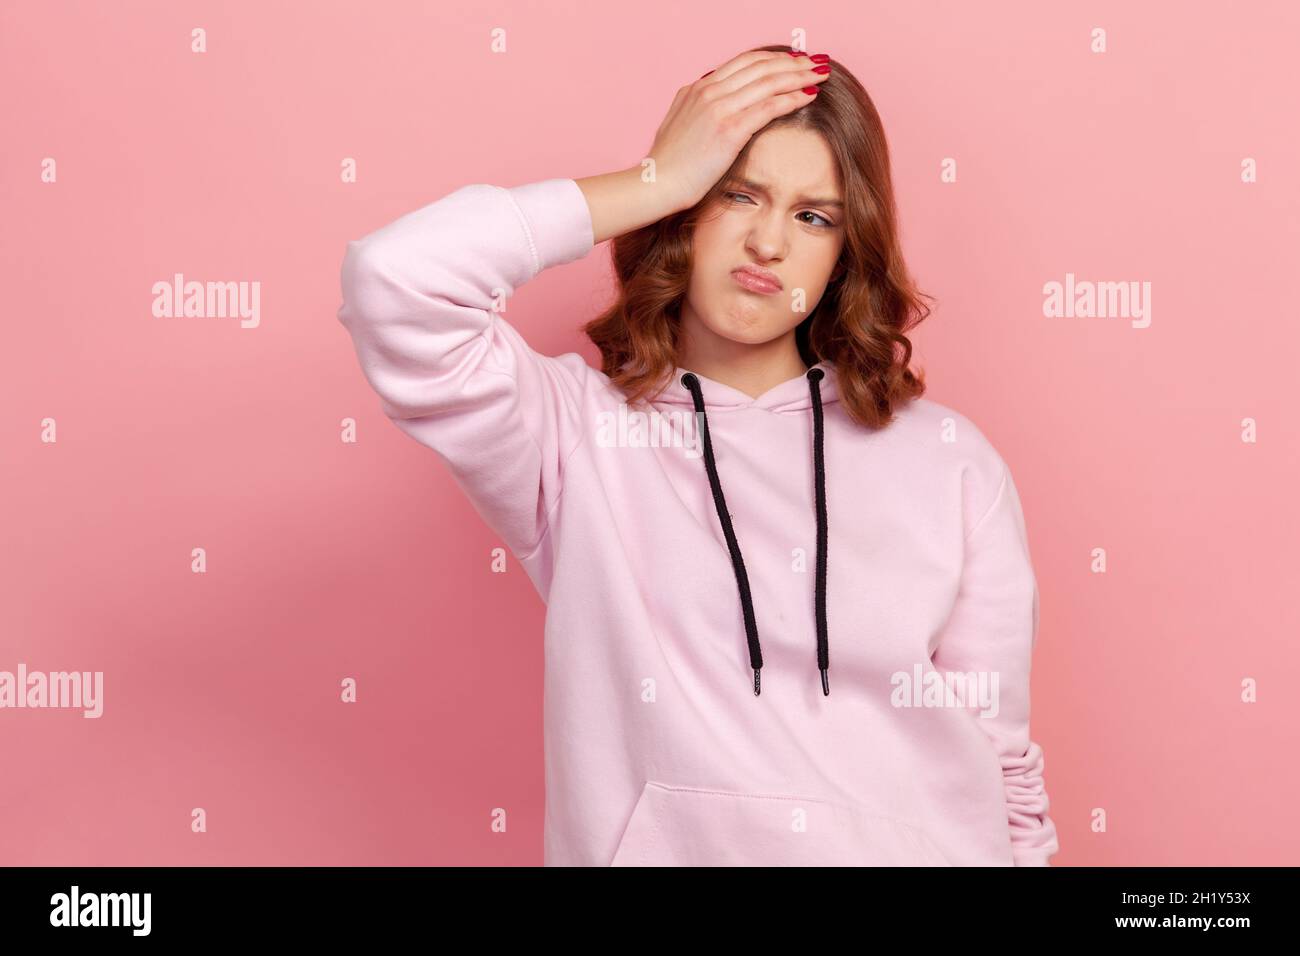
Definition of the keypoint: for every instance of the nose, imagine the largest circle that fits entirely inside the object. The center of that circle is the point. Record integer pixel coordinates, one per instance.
(767, 238)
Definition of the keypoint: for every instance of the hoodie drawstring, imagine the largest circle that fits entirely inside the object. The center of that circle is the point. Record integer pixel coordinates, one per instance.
(814, 376)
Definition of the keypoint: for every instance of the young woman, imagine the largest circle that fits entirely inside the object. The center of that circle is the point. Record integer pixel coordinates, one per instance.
(751, 478)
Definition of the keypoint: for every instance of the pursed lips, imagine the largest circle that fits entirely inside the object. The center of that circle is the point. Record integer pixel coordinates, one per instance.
(757, 279)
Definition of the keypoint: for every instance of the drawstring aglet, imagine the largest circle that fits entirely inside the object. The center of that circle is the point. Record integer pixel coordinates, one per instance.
(826, 687)
(756, 682)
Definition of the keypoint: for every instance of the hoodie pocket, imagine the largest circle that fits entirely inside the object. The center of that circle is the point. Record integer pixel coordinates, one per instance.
(686, 826)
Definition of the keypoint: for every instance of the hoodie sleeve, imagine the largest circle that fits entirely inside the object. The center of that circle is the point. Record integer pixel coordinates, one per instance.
(993, 628)
(424, 299)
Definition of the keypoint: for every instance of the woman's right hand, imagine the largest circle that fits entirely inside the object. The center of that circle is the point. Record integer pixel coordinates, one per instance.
(711, 120)
(707, 126)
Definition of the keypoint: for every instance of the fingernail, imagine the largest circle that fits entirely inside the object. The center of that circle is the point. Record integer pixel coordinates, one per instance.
(703, 75)
(821, 69)
(797, 53)
(820, 58)
(811, 89)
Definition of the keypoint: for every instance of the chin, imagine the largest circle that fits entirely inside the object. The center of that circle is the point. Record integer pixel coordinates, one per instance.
(748, 334)
(744, 322)
(752, 329)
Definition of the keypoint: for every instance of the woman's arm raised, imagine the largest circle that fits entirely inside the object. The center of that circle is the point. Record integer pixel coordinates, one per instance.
(424, 297)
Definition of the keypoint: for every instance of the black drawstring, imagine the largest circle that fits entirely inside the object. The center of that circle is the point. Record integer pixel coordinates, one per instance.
(815, 375)
(737, 562)
(819, 472)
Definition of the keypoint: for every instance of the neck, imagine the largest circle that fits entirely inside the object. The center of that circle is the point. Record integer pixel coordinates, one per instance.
(752, 369)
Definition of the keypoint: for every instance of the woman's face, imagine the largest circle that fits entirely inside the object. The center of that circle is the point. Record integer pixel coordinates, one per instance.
(783, 219)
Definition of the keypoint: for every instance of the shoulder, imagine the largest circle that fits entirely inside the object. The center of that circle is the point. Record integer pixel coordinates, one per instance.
(951, 442)
(931, 424)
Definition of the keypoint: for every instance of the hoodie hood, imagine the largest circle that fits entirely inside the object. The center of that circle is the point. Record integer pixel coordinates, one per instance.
(790, 396)
(807, 393)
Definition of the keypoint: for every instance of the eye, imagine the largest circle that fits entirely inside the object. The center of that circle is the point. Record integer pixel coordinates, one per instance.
(825, 223)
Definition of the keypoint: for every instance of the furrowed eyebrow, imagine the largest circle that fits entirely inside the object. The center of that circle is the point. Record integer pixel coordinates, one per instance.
(752, 186)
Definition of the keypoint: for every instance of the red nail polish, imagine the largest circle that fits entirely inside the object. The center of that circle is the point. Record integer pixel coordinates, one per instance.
(821, 69)
(703, 75)
(820, 58)
(811, 89)
(797, 53)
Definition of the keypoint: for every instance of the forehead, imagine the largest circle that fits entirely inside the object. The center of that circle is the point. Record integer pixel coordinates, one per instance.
(791, 162)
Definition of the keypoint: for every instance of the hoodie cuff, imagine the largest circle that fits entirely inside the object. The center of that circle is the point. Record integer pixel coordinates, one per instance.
(557, 219)
(1032, 856)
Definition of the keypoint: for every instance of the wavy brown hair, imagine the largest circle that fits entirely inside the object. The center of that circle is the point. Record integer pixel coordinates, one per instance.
(860, 322)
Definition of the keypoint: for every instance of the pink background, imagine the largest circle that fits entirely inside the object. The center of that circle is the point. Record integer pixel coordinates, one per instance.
(328, 560)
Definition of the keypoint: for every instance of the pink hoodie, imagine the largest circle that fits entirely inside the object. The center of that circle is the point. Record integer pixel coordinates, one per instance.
(678, 556)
